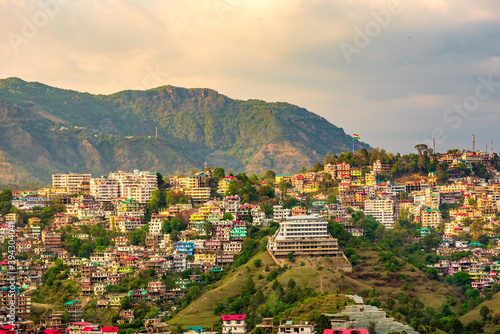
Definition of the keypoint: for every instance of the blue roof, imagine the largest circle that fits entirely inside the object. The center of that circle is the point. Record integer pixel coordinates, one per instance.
(197, 329)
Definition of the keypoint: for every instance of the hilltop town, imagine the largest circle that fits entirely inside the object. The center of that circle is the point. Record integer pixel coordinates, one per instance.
(132, 250)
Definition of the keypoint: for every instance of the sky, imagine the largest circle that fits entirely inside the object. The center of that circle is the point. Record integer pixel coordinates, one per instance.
(394, 72)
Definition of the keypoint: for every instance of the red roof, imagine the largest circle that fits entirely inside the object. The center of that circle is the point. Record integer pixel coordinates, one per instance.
(6, 331)
(81, 323)
(51, 331)
(233, 317)
(87, 329)
(109, 329)
(8, 327)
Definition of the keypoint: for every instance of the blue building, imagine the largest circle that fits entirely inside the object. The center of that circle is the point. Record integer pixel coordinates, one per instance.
(184, 248)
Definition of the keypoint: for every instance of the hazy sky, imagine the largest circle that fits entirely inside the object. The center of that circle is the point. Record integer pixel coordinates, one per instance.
(393, 72)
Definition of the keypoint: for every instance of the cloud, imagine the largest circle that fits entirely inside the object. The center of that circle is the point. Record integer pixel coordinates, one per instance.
(394, 91)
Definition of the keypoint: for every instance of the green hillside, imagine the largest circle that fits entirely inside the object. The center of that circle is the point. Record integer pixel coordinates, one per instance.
(326, 288)
(46, 130)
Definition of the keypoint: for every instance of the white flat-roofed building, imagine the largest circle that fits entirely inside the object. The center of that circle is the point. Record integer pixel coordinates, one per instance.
(279, 213)
(72, 182)
(382, 210)
(156, 224)
(136, 185)
(304, 235)
(104, 189)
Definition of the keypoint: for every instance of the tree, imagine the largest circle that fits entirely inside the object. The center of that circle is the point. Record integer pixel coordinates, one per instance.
(484, 312)
(174, 235)
(125, 303)
(421, 148)
(227, 216)
(291, 257)
(455, 326)
(160, 180)
(462, 279)
(208, 227)
(430, 241)
(6, 195)
(371, 328)
(474, 327)
(331, 199)
(219, 173)
(270, 175)
(321, 322)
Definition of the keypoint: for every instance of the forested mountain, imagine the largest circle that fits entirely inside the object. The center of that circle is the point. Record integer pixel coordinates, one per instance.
(44, 130)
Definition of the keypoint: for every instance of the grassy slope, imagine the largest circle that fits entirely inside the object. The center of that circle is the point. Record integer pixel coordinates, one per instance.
(325, 279)
(493, 305)
(200, 312)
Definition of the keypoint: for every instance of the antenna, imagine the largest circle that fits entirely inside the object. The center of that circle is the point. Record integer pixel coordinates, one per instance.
(491, 147)
(434, 144)
(473, 143)
(486, 149)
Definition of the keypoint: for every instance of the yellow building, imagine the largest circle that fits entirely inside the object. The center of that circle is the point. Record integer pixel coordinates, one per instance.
(224, 184)
(205, 257)
(286, 178)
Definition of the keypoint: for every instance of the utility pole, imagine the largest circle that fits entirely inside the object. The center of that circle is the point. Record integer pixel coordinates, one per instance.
(434, 144)
(156, 129)
(473, 143)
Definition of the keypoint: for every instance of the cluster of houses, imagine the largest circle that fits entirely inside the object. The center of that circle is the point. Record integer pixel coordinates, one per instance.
(234, 323)
(217, 226)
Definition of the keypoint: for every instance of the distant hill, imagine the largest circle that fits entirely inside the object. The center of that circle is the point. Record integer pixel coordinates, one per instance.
(44, 130)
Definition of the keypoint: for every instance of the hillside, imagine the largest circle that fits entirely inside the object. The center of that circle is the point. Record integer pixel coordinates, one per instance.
(44, 130)
(493, 304)
(319, 275)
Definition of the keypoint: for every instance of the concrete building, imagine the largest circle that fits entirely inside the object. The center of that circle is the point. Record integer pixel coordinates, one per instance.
(234, 324)
(305, 235)
(382, 210)
(104, 189)
(73, 183)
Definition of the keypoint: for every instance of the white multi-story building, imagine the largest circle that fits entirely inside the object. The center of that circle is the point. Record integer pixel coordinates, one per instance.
(156, 225)
(279, 213)
(305, 235)
(231, 204)
(126, 224)
(104, 189)
(73, 183)
(382, 210)
(136, 185)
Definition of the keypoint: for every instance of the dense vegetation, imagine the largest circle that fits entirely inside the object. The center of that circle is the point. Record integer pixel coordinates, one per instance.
(46, 130)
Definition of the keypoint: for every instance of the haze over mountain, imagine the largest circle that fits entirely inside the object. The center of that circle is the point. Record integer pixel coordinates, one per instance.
(45, 130)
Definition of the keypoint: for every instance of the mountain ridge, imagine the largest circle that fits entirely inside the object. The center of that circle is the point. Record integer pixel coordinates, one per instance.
(47, 130)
